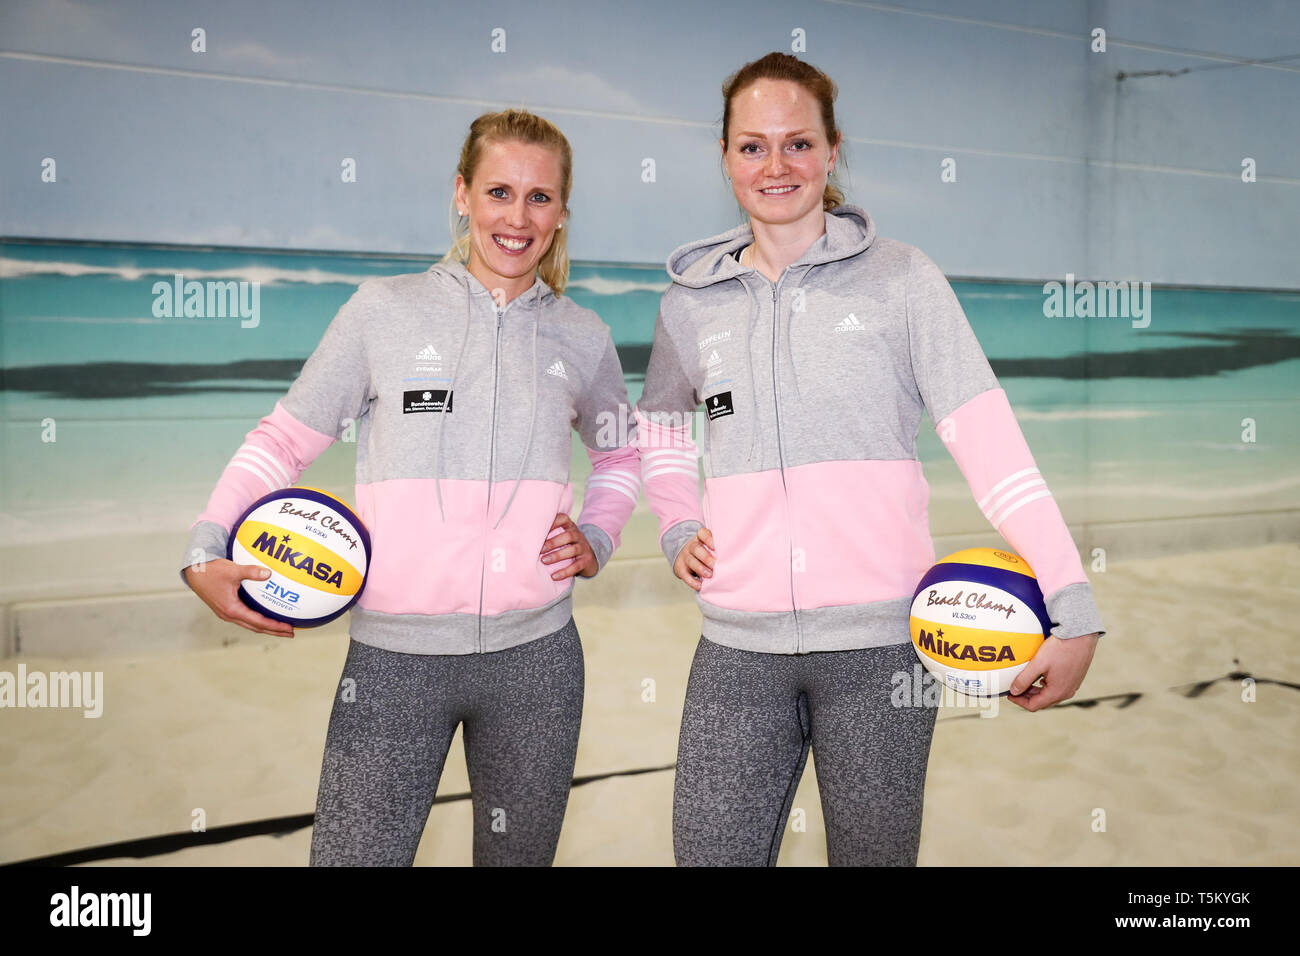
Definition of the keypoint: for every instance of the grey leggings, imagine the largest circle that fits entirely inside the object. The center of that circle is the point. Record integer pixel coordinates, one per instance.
(747, 724)
(385, 749)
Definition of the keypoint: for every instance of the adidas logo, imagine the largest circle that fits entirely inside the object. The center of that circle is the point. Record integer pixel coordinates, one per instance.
(557, 369)
(428, 354)
(850, 323)
(715, 359)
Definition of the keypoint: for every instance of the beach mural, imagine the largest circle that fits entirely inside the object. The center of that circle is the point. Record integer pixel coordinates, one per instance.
(1128, 423)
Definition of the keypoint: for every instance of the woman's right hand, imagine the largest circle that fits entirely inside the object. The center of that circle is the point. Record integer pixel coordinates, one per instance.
(217, 583)
(695, 561)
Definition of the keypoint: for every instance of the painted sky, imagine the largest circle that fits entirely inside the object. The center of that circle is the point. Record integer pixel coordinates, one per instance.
(1062, 166)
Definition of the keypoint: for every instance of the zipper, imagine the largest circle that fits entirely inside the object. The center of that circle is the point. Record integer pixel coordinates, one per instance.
(492, 446)
(780, 454)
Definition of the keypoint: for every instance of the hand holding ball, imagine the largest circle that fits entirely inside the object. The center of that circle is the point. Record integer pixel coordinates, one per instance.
(978, 617)
(317, 551)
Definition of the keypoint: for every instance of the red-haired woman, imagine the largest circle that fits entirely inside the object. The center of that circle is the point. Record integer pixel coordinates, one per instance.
(814, 345)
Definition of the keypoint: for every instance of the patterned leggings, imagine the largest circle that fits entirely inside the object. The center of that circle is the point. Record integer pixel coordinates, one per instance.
(747, 725)
(385, 750)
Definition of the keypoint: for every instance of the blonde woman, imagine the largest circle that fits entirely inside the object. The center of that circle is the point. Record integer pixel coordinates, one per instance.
(464, 382)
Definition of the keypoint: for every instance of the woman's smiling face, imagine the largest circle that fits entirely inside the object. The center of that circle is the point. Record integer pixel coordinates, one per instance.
(778, 156)
(514, 207)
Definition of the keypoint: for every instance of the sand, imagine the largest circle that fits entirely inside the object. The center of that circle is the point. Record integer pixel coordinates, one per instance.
(1160, 779)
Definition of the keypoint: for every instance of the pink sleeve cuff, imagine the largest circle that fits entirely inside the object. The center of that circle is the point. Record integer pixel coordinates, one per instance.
(669, 470)
(612, 491)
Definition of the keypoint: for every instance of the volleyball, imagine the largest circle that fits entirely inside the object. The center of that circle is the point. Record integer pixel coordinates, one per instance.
(977, 618)
(317, 549)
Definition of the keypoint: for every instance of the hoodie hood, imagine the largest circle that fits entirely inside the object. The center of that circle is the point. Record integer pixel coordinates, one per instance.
(538, 296)
(707, 262)
(457, 272)
(849, 231)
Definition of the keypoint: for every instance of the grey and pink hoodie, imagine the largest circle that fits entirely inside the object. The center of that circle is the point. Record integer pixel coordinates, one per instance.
(813, 390)
(462, 413)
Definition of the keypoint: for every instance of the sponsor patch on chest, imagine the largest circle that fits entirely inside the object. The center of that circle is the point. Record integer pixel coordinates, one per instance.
(719, 405)
(427, 400)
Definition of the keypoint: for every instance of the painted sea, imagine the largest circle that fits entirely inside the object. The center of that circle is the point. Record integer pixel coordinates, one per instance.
(1193, 415)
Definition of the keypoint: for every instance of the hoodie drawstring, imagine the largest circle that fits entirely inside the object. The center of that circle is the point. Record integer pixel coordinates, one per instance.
(446, 402)
(788, 346)
(749, 363)
(533, 419)
(446, 405)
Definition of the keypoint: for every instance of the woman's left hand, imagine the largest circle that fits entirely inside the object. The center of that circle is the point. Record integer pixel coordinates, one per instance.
(569, 543)
(1061, 664)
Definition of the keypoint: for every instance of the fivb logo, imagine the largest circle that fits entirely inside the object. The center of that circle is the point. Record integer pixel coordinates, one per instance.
(212, 299)
(1098, 299)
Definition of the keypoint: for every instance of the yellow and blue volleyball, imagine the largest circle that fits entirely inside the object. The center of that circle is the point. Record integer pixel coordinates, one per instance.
(977, 618)
(317, 549)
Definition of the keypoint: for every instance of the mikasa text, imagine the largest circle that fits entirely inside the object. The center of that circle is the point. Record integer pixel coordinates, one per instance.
(963, 652)
(278, 550)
